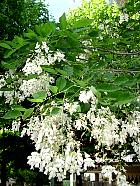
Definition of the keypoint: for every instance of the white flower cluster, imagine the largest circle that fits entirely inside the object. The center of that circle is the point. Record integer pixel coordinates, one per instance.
(32, 67)
(136, 147)
(87, 96)
(56, 150)
(132, 128)
(121, 180)
(31, 86)
(81, 122)
(104, 126)
(101, 122)
(42, 56)
(128, 158)
(107, 171)
(16, 125)
(71, 107)
(9, 96)
(2, 81)
(123, 17)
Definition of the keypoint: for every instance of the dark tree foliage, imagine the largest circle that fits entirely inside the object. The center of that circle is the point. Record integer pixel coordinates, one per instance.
(16, 16)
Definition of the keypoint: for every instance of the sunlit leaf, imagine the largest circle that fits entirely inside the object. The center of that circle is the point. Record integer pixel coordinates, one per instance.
(61, 83)
(27, 113)
(12, 114)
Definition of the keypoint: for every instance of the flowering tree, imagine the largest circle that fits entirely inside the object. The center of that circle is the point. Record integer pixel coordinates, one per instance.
(74, 92)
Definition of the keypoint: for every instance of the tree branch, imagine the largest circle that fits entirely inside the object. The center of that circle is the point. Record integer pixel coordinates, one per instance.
(113, 52)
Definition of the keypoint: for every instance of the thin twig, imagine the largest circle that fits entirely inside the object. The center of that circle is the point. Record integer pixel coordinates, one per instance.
(118, 70)
(113, 52)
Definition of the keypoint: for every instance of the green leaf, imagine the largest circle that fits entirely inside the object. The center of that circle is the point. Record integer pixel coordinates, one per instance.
(36, 100)
(94, 33)
(5, 45)
(55, 110)
(81, 83)
(30, 34)
(85, 107)
(131, 82)
(125, 100)
(6, 89)
(46, 29)
(78, 70)
(68, 70)
(11, 64)
(61, 83)
(18, 107)
(106, 87)
(40, 95)
(16, 48)
(10, 53)
(63, 21)
(98, 65)
(83, 23)
(27, 113)
(95, 92)
(54, 89)
(12, 114)
(120, 97)
(50, 70)
(121, 80)
(64, 73)
(59, 101)
(31, 76)
(73, 36)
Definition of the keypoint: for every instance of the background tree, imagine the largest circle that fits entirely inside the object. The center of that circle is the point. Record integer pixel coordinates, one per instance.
(18, 16)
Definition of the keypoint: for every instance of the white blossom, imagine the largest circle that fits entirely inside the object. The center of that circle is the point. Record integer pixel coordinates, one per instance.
(2, 81)
(49, 138)
(34, 160)
(121, 180)
(59, 56)
(9, 96)
(45, 47)
(107, 171)
(81, 122)
(31, 86)
(123, 17)
(16, 125)
(71, 107)
(128, 158)
(33, 63)
(86, 96)
(136, 147)
(104, 126)
(88, 162)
